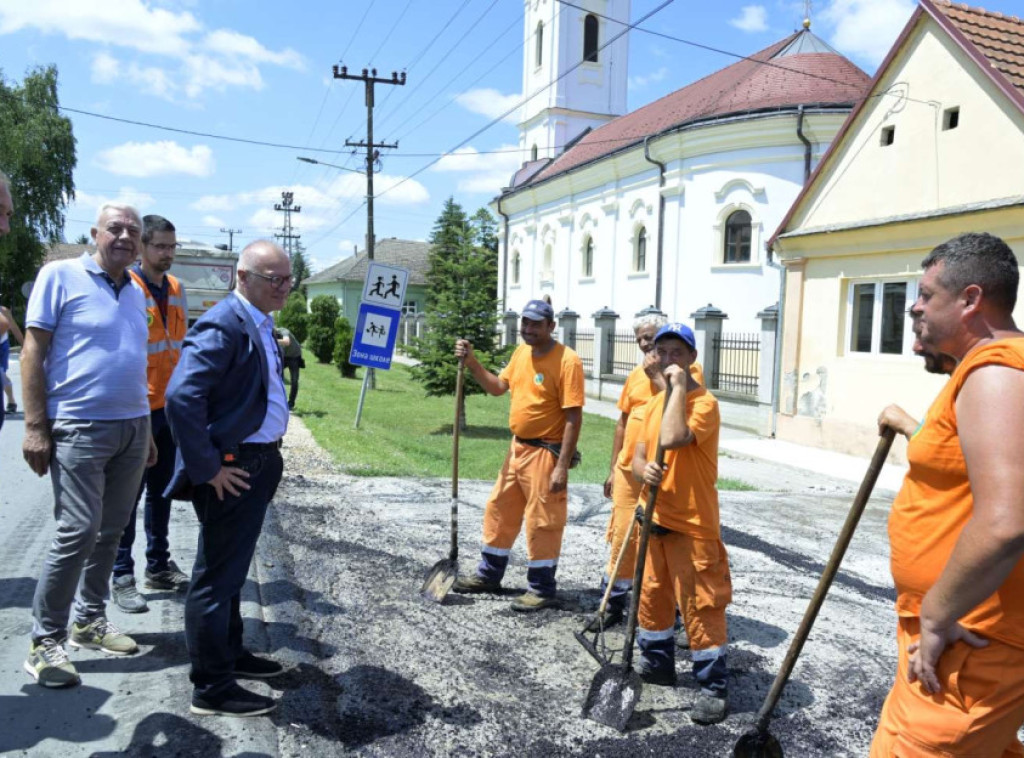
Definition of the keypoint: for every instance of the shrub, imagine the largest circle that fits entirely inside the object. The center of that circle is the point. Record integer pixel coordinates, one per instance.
(324, 311)
(343, 335)
(321, 343)
(294, 317)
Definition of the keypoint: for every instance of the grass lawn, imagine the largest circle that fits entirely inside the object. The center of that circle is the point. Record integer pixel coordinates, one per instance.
(403, 433)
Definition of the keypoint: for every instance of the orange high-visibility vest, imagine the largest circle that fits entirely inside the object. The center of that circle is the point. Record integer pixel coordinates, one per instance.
(164, 346)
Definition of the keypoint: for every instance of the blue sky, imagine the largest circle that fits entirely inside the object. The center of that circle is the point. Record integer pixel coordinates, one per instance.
(258, 70)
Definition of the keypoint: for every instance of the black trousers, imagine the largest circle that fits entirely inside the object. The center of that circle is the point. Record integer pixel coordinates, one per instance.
(292, 364)
(227, 541)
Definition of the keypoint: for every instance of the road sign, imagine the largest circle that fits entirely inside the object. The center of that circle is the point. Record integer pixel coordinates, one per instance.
(374, 341)
(385, 285)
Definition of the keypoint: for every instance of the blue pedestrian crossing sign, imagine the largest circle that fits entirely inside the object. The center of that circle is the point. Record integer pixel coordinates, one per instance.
(373, 344)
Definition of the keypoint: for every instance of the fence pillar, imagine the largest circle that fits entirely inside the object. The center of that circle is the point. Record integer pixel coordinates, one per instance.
(421, 320)
(510, 320)
(567, 321)
(604, 340)
(650, 310)
(707, 328)
(766, 364)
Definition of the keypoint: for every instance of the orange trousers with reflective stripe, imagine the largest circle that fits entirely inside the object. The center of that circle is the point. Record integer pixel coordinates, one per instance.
(976, 715)
(692, 574)
(522, 493)
(625, 495)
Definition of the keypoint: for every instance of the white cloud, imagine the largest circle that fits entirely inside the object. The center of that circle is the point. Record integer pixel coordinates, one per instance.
(752, 18)
(638, 82)
(143, 159)
(491, 103)
(89, 204)
(866, 28)
(215, 221)
(488, 172)
(205, 60)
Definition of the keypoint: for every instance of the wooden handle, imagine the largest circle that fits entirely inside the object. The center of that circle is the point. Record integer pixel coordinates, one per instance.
(460, 375)
(615, 569)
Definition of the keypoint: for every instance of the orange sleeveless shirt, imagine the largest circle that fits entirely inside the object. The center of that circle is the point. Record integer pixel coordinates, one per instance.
(935, 503)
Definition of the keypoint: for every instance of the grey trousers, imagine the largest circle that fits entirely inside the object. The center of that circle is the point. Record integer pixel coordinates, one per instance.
(96, 468)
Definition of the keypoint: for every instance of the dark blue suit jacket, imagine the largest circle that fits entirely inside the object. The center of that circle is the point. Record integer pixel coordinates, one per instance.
(217, 395)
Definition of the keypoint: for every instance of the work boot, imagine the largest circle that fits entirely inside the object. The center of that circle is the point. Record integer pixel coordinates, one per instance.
(475, 584)
(709, 709)
(531, 601)
(682, 640)
(171, 578)
(126, 596)
(611, 617)
(102, 635)
(12, 407)
(664, 677)
(48, 664)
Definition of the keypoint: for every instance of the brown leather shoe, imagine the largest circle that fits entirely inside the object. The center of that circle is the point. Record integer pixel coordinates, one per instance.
(531, 601)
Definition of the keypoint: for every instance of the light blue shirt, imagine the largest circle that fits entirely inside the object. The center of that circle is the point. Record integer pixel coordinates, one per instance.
(96, 365)
(275, 423)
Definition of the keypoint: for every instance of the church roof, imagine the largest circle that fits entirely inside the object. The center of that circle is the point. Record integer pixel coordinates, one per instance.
(409, 254)
(798, 70)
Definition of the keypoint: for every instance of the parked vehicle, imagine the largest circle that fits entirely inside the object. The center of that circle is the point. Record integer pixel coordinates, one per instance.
(207, 273)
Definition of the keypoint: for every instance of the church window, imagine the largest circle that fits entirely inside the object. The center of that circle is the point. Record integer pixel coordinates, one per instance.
(533, 153)
(517, 263)
(549, 267)
(590, 38)
(737, 238)
(640, 251)
(540, 44)
(588, 258)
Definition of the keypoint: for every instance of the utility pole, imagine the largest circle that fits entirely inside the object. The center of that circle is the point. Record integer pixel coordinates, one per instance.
(369, 78)
(231, 237)
(286, 207)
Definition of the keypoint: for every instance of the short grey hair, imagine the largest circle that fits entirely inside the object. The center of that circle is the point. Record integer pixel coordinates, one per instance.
(656, 320)
(250, 253)
(124, 207)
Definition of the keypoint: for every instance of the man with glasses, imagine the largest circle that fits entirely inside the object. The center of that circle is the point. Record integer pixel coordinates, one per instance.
(167, 315)
(227, 409)
(87, 424)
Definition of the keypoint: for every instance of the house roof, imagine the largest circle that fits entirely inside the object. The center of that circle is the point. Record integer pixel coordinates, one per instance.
(798, 70)
(62, 251)
(994, 41)
(408, 254)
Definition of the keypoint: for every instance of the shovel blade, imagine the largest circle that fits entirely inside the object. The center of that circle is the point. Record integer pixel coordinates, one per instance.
(439, 580)
(613, 695)
(757, 744)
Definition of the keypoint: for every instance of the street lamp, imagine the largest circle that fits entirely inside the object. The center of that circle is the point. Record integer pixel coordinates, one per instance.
(332, 165)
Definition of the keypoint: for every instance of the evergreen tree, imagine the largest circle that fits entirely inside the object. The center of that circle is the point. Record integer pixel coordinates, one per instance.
(462, 287)
(83, 239)
(324, 310)
(343, 336)
(300, 268)
(37, 152)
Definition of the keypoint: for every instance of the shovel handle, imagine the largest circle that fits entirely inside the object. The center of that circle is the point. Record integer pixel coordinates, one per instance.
(831, 568)
(641, 550)
(460, 378)
(615, 570)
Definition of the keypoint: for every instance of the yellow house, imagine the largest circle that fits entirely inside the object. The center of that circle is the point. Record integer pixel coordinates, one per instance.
(935, 149)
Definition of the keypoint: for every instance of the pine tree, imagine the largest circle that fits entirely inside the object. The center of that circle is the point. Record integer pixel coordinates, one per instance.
(462, 287)
(300, 268)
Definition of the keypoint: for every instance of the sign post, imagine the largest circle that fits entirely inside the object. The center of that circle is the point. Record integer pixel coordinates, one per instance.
(373, 343)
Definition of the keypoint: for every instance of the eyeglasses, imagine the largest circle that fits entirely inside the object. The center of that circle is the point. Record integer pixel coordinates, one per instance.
(277, 282)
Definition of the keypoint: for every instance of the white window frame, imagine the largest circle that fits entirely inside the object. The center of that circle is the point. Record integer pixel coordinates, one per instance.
(912, 283)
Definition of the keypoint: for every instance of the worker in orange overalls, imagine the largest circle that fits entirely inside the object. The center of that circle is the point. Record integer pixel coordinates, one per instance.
(545, 379)
(687, 566)
(642, 383)
(956, 529)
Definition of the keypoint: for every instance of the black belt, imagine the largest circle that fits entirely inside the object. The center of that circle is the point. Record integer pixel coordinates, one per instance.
(259, 447)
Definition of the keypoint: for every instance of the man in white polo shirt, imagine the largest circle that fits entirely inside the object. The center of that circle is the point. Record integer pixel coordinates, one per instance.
(87, 423)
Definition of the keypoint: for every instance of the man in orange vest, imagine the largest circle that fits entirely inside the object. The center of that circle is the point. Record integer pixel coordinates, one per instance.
(167, 314)
(956, 528)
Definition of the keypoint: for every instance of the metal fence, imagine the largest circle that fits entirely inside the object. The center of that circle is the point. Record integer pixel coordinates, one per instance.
(739, 358)
(585, 348)
(624, 352)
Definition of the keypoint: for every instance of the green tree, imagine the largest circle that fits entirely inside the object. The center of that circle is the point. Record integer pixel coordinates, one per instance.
(343, 335)
(294, 317)
(300, 268)
(462, 300)
(37, 152)
(324, 312)
(83, 239)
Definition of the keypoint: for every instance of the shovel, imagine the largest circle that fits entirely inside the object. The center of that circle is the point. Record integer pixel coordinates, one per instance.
(596, 621)
(443, 574)
(758, 742)
(616, 689)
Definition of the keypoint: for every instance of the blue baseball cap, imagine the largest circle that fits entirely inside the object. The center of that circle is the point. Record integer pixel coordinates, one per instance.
(679, 331)
(538, 310)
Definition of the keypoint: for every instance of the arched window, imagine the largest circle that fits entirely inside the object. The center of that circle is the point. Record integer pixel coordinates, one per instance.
(737, 238)
(640, 253)
(588, 258)
(540, 44)
(590, 38)
(549, 266)
(533, 153)
(516, 267)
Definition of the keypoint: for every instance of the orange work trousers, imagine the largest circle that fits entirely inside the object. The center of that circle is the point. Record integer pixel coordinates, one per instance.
(976, 715)
(522, 492)
(625, 495)
(693, 575)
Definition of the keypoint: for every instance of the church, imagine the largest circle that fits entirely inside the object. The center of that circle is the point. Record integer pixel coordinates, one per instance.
(668, 205)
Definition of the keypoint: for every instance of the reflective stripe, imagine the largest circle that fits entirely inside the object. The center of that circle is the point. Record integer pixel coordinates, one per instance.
(176, 301)
(654, 636)
(708, 654)
(622, 584)
(495, 550)
(542, 564)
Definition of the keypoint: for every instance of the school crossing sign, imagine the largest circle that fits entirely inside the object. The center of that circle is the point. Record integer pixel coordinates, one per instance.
(373, 344)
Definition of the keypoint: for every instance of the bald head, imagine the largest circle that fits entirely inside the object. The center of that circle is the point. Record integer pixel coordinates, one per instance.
(264, 275)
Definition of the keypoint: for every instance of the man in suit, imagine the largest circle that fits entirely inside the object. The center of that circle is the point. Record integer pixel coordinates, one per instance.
(227, 409)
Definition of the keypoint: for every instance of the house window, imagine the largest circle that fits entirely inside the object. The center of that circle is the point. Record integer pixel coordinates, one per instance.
(640, 251)
(409, 308)
(516, 267)
(588, 258)
(951, 118)
(539, 55)
(533, 153)
(737, 238)
(878, 317)
(888, 135)
(590, 38)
